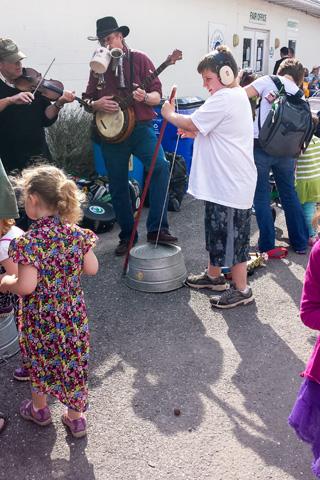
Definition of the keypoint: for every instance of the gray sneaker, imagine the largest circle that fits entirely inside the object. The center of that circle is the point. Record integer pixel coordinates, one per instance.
(232, 298)
(202, 280)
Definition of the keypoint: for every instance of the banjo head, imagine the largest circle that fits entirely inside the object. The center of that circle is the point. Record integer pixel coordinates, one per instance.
(110, 125)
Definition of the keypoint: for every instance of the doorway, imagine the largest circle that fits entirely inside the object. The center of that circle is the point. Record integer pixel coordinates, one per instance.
(255, 53)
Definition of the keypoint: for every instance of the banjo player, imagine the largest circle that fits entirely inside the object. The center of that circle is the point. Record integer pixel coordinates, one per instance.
(120, 79)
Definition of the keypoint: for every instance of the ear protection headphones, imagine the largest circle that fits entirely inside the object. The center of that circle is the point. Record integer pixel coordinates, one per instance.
(224, 69)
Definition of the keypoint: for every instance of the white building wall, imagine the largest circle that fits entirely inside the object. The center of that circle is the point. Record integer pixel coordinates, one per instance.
(44, 30)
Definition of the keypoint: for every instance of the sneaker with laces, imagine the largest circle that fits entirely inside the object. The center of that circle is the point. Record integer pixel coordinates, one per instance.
(202, 280)
(232, 298)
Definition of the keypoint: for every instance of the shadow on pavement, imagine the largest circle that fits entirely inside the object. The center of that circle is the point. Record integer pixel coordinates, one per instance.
(26, 451)
(160, 336)
(268, 379)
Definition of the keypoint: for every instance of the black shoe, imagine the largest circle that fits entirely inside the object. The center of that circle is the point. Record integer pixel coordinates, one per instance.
(122, 248)
(218, 284)
(165, 237)
(232, 298)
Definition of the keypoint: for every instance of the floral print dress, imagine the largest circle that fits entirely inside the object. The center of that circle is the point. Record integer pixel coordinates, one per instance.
(52, 321)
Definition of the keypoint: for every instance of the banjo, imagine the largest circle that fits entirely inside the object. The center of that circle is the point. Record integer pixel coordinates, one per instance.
(115, 127)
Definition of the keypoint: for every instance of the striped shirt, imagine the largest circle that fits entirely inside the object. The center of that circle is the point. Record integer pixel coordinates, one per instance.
(308, 164)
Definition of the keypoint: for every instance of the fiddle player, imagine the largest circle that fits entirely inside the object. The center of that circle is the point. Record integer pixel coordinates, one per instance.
(136, 66)
(23, 116)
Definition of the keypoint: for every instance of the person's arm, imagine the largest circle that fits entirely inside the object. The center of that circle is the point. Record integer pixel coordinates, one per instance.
(310, 300)
(22, 98)
(10, 267)
(251, 91)
(90, 263)
(177, 119)
(149, 98)
(53, 110)
(24, 284)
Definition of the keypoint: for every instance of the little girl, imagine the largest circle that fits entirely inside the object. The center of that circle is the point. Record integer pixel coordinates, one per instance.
(8, 209)
(52, 320)
(305, 416)
(8, 231)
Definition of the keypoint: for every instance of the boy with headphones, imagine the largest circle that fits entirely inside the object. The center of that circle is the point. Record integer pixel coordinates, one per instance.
(223, 174)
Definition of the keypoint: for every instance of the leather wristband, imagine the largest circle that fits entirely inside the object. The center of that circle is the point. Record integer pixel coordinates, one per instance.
(58, 107)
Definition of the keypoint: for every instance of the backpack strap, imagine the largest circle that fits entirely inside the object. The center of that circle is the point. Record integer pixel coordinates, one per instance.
(277, 83)
(280, 86)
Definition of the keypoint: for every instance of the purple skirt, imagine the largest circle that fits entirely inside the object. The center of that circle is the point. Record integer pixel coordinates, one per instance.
(305, 419)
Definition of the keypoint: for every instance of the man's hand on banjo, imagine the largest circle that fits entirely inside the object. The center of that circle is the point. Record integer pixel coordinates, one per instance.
(105, 104)
(150, 98)
(139, 95)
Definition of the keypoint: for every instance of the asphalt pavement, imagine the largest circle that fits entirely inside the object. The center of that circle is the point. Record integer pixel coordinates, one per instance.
(177, 390)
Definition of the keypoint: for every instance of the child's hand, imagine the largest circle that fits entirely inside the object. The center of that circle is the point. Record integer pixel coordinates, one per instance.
(6, 282)
(167, 109)
(186, 134)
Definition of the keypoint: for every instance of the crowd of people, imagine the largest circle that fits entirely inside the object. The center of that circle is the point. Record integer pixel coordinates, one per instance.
(312, 80)
(42, 267)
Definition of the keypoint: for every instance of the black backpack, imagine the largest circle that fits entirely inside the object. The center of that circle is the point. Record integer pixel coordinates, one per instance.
(178, 181)
(288, 127)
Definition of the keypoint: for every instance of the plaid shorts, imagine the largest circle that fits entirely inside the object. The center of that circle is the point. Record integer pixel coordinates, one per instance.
(227, 233)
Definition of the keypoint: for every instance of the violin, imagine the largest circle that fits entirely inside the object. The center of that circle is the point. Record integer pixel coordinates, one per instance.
(32, 81)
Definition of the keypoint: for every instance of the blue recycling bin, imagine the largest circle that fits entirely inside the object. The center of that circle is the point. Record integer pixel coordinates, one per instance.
(186, 106)
(99, 160)
(136, 169)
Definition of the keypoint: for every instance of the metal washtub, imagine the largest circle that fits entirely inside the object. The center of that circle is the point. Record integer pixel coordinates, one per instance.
(156, 269)
(9, 344)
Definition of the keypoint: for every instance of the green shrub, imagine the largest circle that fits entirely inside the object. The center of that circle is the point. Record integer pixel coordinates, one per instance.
(69, 142)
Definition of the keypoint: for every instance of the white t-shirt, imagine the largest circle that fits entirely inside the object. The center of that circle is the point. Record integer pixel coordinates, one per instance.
(264, 85)
(223, 169)
(14, 232)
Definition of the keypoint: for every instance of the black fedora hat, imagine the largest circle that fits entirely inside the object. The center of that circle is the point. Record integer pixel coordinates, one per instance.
(108, 25)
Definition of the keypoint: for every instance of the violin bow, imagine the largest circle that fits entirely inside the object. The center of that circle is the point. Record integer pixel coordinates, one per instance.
(43, 77)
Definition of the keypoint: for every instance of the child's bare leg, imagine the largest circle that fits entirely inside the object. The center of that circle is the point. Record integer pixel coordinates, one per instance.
(39, 400)
(213, 272)
(73, 415)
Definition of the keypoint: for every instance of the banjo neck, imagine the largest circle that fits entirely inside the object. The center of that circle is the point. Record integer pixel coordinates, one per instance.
(171, 60)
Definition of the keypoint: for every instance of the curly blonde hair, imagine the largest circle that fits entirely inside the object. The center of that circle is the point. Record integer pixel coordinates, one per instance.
(55, 189)
(5, 225)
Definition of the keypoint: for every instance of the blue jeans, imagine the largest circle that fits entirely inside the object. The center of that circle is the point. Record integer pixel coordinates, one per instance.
(141, 143)
(283, 171)
(309, 209)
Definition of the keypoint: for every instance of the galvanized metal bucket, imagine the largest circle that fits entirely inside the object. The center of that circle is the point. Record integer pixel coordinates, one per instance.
(9, 344)
(156, 269)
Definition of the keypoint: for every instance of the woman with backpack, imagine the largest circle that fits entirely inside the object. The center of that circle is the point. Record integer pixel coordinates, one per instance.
(291, 74)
